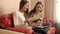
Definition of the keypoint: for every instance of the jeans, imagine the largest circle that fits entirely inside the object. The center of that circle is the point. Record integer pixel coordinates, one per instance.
(48, 26)
(42, 30)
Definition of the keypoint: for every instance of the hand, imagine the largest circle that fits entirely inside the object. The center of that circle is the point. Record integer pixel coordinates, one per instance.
(40, 26)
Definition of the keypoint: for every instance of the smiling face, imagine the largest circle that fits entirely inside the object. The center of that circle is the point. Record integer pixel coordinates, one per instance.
(26, 6)
(39, 7)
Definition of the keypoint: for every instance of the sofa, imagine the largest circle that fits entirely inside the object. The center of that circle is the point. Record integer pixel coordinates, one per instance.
(6, 21)
(52, 29)
(3, 31)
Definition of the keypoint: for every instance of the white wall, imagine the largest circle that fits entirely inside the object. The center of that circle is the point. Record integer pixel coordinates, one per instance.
(9, 6)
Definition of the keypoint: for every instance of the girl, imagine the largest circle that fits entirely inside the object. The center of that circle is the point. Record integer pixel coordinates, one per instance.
(16, 20)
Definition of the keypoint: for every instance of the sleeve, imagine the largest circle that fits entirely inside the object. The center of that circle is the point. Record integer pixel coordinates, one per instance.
(35, 17)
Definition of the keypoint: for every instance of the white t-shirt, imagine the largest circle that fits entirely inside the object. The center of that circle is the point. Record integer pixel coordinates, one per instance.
(18, 19)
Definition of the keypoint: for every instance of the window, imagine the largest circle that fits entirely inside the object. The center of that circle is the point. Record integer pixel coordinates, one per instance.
(57, 10)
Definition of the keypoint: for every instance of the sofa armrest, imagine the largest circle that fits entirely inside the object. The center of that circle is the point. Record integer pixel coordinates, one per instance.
(3, 31)
(51, 30)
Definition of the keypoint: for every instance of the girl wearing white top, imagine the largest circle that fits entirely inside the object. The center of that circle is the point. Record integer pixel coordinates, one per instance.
(19, 18)
(16, 21)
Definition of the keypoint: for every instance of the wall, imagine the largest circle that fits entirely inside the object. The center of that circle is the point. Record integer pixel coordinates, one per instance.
(49, 8)
(9, 6)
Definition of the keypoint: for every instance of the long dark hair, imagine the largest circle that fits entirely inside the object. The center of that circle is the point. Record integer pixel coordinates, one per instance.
(34, 9)
(22, 3)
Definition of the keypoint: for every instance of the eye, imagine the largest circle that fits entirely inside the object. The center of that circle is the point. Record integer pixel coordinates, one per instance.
(39, 7)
